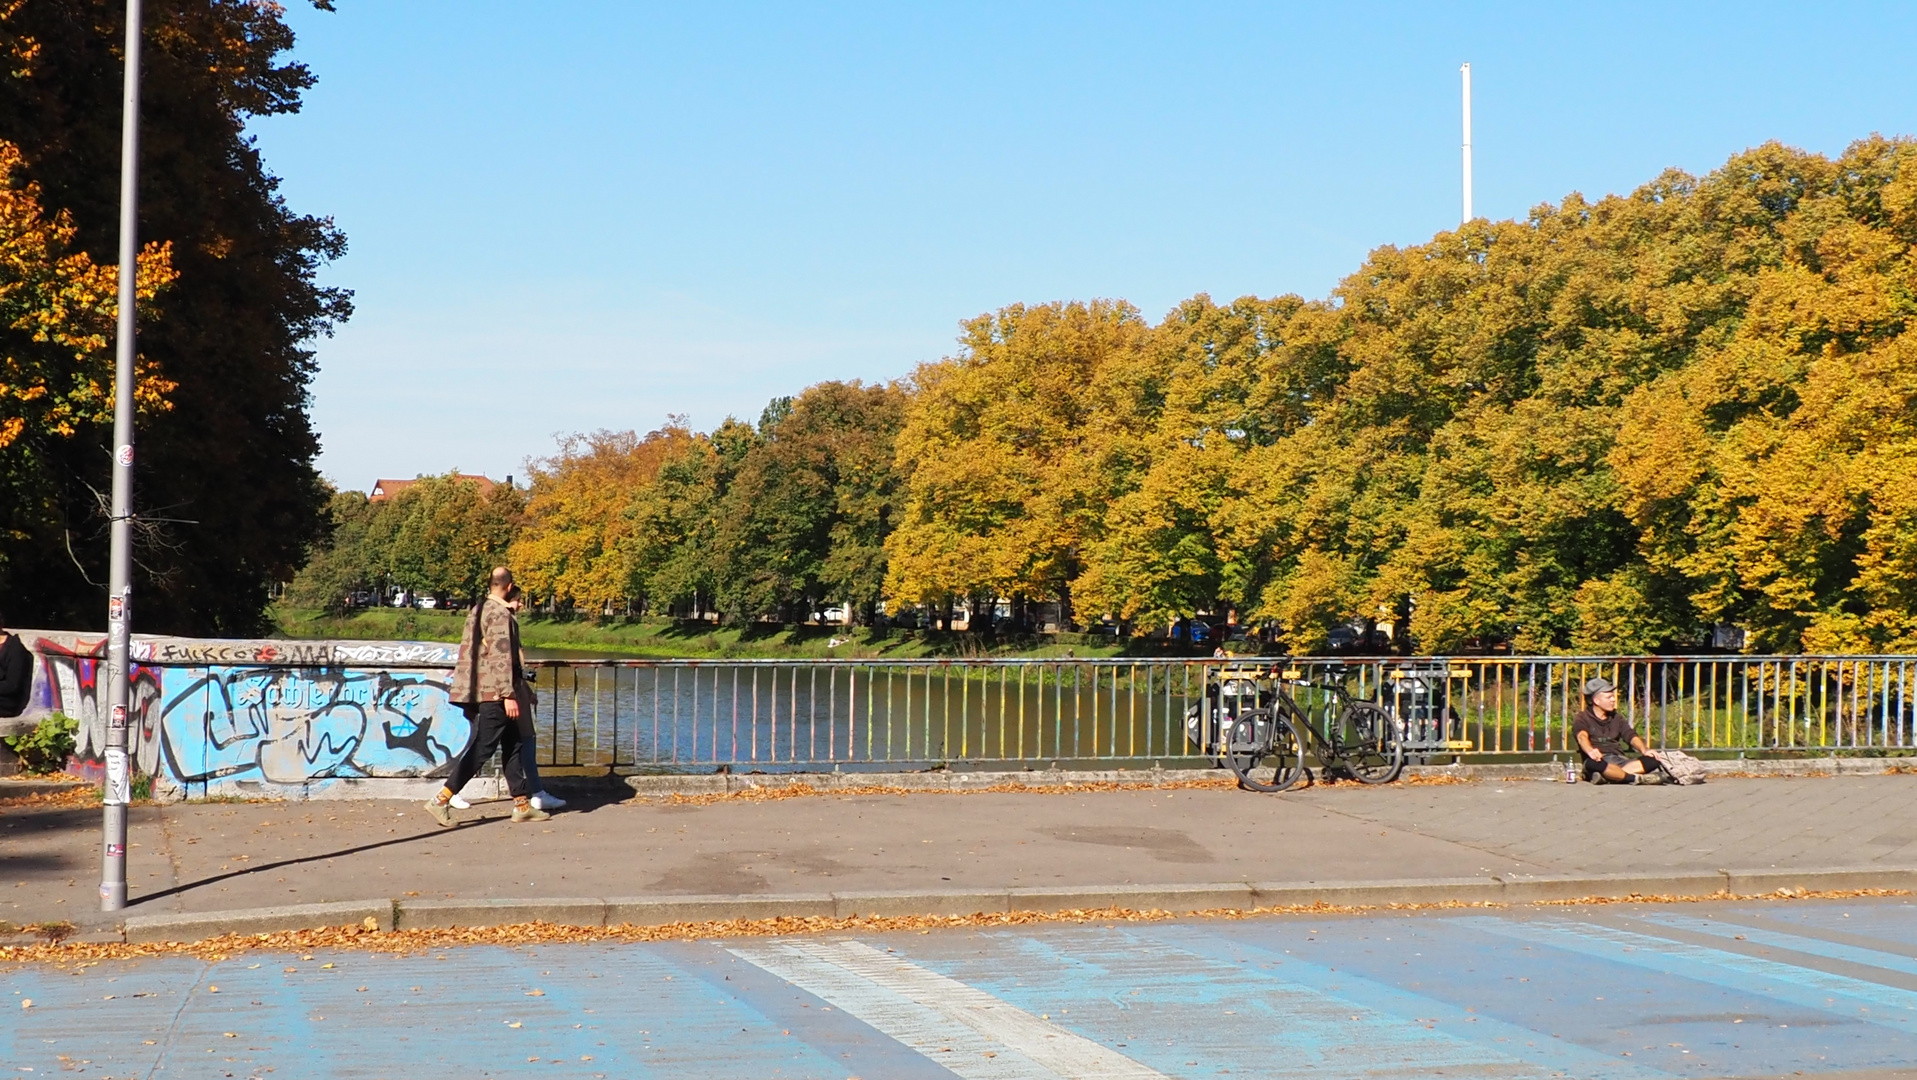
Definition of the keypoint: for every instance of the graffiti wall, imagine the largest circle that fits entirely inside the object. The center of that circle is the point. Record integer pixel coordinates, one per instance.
(288, 719)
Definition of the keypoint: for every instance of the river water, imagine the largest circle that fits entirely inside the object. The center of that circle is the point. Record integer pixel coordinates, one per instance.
(793, 715)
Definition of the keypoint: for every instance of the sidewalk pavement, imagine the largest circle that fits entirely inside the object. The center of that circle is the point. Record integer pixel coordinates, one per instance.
(187, 858)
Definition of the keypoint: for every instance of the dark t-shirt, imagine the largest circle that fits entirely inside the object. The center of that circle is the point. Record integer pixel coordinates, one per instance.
(16, 676)
(1610, 735)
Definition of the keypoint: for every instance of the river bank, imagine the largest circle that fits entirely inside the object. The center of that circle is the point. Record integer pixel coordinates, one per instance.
(660, 639)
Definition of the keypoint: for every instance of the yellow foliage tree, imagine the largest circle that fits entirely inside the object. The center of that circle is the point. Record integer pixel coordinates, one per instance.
(1008, 449)
(578, 543)
(58, 308)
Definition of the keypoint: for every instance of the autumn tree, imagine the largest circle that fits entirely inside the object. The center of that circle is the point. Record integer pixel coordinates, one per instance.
(57, 312)
(443, 535)
(1209, 389)
(673, 546)
(226, 477)
(1775, 474)
(578, 545)
(1602, 429)
(439, 536)
(1007, 452)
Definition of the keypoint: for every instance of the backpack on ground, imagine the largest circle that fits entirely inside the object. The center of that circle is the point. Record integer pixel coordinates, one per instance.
(1681, 767)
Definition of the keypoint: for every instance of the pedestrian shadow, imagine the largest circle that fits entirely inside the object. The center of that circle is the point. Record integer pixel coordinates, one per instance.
(316, 857)
(580, 798)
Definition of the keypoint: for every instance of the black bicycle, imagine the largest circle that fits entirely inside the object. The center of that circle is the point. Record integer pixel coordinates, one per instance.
(1251, 724)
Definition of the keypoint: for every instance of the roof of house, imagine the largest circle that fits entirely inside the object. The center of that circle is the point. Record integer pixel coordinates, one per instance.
(384, 489)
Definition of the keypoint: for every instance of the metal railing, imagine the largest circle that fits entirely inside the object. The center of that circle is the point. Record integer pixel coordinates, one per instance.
(684, 715)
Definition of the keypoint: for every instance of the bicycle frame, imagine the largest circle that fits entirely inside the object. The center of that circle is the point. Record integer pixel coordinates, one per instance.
(1248, 709)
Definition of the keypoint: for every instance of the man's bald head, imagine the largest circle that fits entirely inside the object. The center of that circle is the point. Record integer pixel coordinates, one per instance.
(502, 580)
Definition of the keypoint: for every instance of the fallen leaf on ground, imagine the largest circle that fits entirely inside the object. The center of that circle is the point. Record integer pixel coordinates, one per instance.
(418, 941)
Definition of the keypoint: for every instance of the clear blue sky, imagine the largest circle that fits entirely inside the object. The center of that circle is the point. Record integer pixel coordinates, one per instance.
(573, 215)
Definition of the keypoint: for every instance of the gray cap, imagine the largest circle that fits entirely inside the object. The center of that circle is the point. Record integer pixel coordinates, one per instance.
(1594, 687)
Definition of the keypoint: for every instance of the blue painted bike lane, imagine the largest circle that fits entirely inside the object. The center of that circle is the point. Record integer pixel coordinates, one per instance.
(1619, 991)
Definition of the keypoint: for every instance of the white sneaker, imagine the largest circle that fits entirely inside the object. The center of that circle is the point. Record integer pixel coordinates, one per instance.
(459, 803)
(546, 800)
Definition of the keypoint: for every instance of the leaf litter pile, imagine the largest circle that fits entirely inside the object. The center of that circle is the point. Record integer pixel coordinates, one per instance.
(79, 798)
(774, 792)
(368, 939)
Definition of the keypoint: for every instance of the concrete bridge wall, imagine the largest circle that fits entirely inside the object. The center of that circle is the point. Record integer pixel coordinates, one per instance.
(259, 718)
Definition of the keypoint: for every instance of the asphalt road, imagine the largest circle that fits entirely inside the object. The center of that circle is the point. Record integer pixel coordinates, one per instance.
(1783, 988)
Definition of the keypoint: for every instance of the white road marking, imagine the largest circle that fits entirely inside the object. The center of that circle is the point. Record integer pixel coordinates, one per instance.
(964, 1029)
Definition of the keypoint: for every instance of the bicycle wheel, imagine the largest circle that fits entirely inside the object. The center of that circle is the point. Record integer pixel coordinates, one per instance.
(1263, 751)
(1367, 743)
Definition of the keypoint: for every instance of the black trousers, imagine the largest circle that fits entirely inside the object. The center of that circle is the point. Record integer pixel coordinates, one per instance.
(493, 731)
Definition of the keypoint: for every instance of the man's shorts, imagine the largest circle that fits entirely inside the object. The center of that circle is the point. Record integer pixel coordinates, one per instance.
(1594, 770)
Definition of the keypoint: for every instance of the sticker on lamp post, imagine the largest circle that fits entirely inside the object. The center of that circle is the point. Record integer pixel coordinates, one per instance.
(118, 791)
(118, 721)
(125, 455)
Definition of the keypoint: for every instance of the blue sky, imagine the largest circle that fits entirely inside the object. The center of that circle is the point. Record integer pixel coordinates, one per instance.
(571, 215)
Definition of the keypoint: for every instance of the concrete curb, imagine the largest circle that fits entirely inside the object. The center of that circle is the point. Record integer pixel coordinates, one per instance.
(195, 926)
(658, 911)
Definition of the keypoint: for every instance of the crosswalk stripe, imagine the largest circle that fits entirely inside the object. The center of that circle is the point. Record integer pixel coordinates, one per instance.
(1783, 982)
(1759, 935)
(964, 1029)
(1467, 1043)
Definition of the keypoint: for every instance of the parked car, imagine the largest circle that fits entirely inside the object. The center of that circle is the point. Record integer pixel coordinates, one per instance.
(429, 602)
(1356, 640)
(1343, 640)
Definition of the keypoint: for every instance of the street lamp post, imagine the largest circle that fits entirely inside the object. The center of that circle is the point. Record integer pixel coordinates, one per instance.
(119, 787)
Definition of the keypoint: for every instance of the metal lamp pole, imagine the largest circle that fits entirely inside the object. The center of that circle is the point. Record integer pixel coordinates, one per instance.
(120, 576)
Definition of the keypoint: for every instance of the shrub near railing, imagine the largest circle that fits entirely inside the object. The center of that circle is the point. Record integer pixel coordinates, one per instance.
(48, 747)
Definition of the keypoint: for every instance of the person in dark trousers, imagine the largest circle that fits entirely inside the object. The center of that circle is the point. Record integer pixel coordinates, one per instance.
(16, 673)
(1603, 736)
(489, 685)
(529, 748)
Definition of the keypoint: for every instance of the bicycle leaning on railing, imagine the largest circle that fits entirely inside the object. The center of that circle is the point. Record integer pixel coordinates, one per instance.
(1250, 723)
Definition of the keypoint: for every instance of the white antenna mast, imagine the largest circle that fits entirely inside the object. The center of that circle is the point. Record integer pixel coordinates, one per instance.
(1467, 141)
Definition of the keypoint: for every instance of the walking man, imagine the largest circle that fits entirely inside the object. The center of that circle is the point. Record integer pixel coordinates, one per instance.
(487, 686)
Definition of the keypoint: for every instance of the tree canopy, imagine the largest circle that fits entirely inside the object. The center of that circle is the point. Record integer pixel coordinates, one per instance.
(226, 481)
(1610, 426)
(441, 536)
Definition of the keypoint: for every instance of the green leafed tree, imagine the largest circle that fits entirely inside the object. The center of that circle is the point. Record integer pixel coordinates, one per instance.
(804, 520)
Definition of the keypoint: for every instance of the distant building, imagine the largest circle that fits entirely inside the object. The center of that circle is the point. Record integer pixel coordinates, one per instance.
(387, 489)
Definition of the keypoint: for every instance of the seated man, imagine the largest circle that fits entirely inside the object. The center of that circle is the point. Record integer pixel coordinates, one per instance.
(1603, 736)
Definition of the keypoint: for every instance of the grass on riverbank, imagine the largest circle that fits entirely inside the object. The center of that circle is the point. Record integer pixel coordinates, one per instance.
(666, 639)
